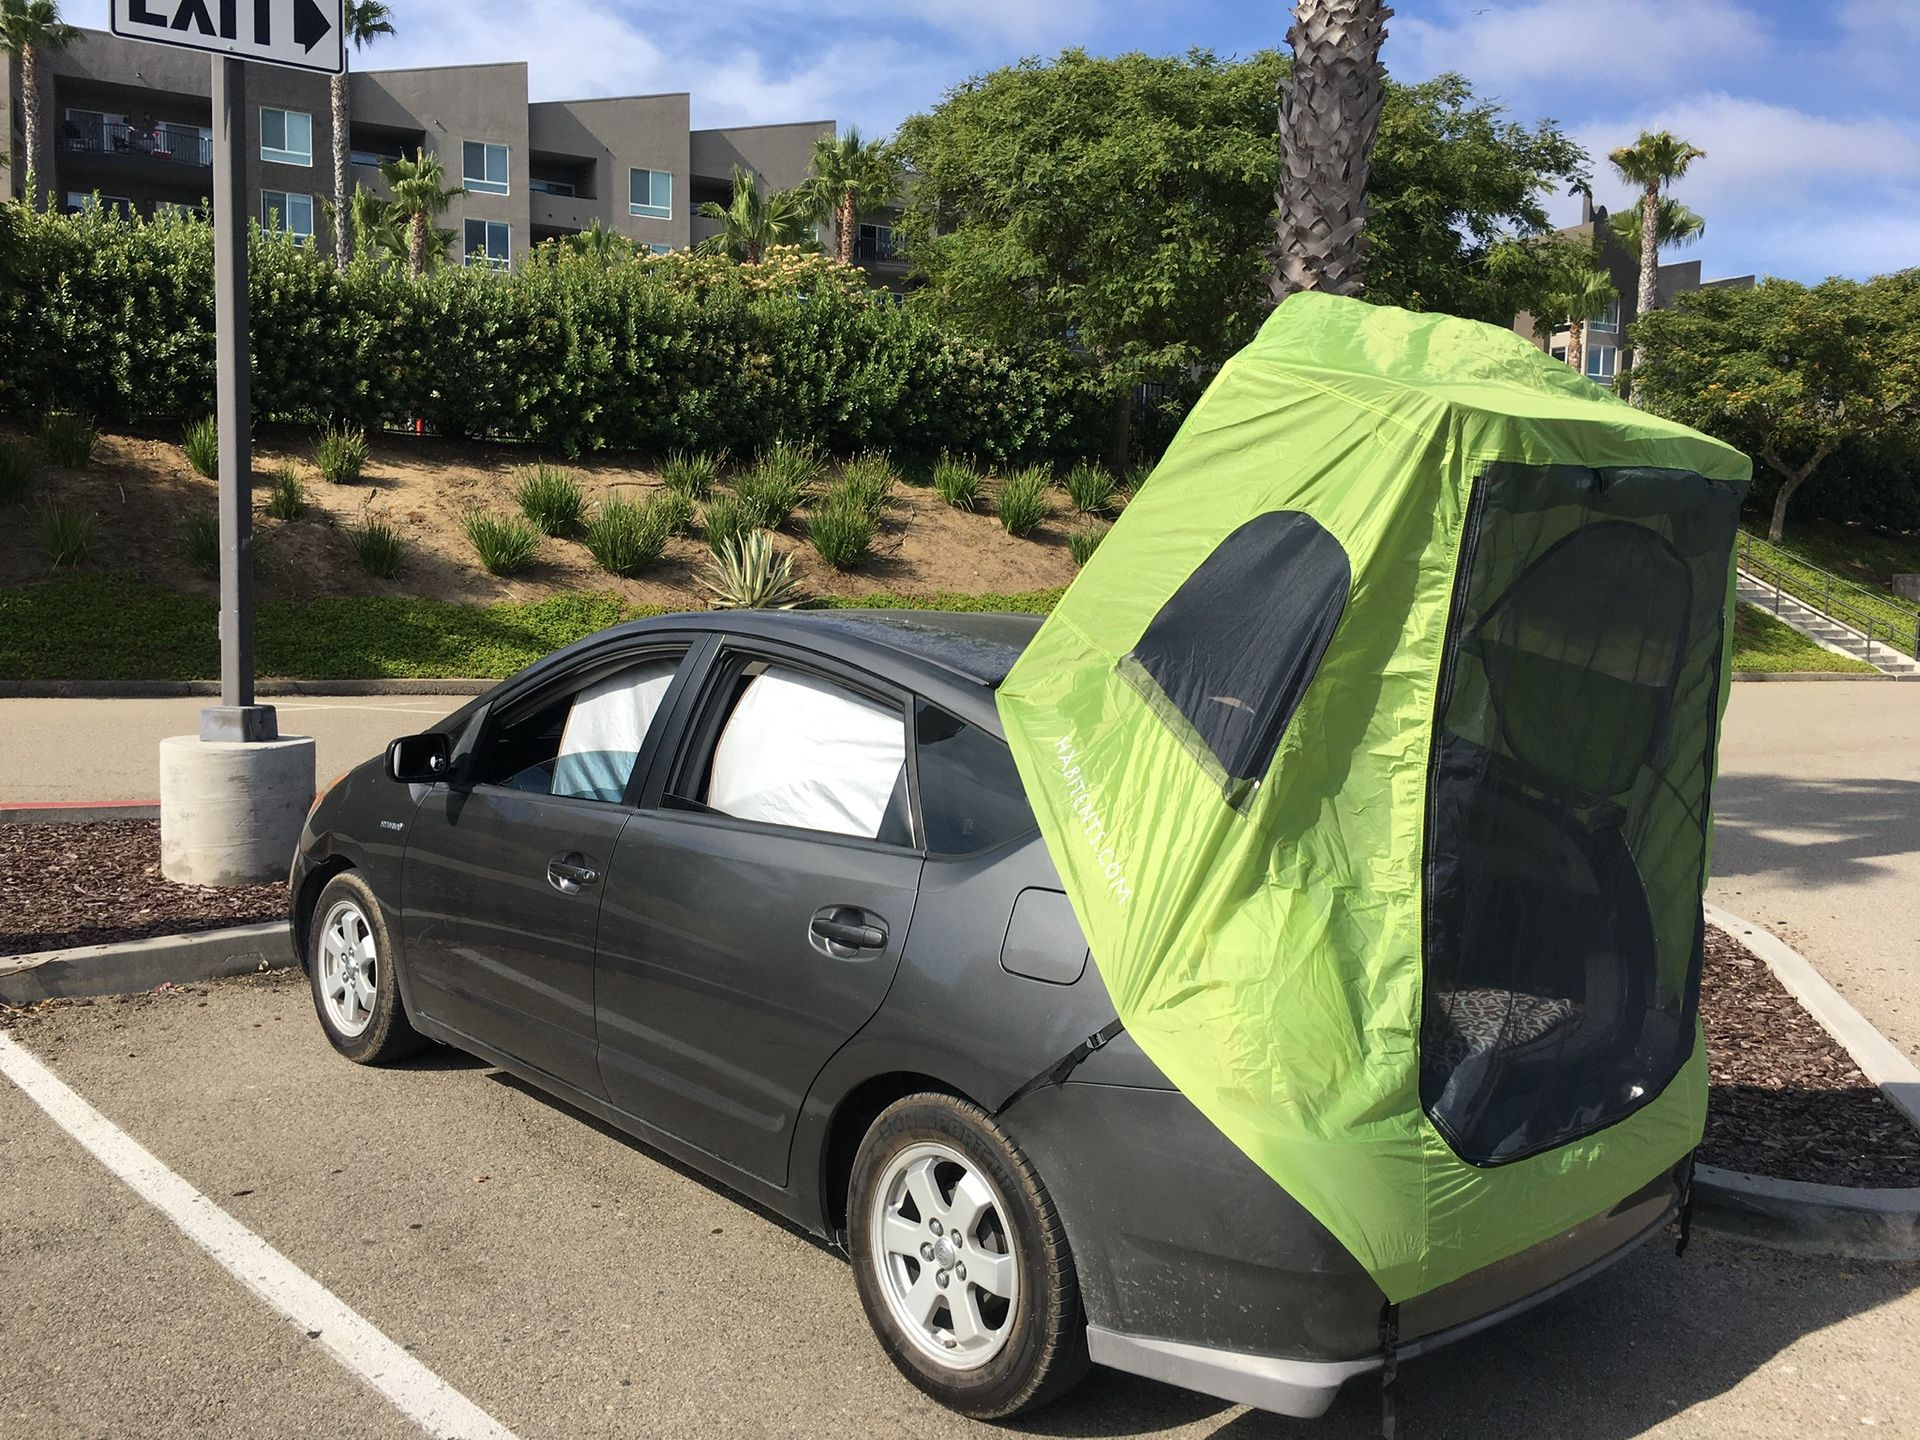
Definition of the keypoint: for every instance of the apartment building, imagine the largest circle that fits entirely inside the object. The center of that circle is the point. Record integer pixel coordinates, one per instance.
(132, 124)
(1606, 351)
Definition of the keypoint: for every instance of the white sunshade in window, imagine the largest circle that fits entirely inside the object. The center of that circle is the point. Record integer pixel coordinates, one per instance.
(804, 752)
(606, 728)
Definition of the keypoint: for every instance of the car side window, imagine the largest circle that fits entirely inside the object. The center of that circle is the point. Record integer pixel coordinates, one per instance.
(784, 746)
(971, 798)
(581, 744)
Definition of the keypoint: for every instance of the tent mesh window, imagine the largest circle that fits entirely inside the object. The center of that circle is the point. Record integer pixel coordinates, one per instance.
(1569, 802)
(1227, 660)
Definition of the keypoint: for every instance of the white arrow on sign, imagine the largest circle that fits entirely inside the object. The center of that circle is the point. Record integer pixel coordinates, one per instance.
(303, 34)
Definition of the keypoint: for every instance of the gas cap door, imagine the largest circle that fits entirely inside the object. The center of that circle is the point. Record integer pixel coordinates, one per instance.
(1043, 939)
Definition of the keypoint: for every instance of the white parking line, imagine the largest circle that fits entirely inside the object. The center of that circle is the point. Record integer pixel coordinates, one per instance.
(414, 1390)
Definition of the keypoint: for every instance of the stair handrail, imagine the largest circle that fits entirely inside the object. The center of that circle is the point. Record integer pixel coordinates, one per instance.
(1757, 558)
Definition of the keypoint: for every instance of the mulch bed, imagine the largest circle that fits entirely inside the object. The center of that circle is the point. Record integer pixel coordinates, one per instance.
(1786, 1100)
(95, 884)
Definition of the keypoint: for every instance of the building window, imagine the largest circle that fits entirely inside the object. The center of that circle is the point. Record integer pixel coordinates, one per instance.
(1609, 321)
(875, 242)
(119, 205)
(552, 187)
(1560, 353)
(286, 136)
(489, 242)
(1600, 361)
(483, 168)
(650, 193)
(293, 213)
(659, 249)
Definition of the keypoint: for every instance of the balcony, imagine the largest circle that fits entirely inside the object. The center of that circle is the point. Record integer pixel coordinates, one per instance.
(562, 212)
(877, 250)
(184, 146)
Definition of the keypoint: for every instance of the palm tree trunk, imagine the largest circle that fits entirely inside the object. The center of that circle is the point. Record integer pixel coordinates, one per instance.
(1576, 343)
(1329, 115)
(342, 228)
(753, 252)
(417, 244)
(30, 93)
(846, 219)
(1649, 250)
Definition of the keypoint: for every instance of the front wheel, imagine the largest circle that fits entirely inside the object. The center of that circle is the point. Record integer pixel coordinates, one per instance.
(350, 967)
(962, 1262)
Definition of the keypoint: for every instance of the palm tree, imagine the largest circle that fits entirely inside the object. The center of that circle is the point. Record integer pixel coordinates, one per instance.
(29, 29)
(751, 224)
(1329, 114)
(1580, 294)
(603, 247)
(417, 200)
(849, 175)
(1652, 162)
(1679, 226)
(364, 21)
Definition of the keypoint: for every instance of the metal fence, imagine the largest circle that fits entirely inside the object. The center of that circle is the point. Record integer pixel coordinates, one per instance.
(170, 144)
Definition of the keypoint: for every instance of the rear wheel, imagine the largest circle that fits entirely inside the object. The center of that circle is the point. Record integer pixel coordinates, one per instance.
(962, 1262)
(350, 967)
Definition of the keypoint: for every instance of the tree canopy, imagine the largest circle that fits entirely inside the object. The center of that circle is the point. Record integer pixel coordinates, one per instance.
(1123, 204)
(1787, 372)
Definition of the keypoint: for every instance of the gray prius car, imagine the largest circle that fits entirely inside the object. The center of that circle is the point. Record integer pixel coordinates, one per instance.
(763, 890)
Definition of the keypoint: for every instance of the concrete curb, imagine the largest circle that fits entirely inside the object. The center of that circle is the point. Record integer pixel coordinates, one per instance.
(1798, 1215)
(79, 812)
(1811, 675)
(176, 689)
(137, 965)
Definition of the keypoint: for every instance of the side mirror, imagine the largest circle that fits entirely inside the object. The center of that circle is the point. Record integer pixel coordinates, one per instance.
(420, 759)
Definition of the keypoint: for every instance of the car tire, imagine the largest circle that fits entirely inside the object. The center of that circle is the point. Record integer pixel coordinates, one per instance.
(350, 970)
(936, 1169)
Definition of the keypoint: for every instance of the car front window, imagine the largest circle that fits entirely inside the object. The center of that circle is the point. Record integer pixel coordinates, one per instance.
(581, 745)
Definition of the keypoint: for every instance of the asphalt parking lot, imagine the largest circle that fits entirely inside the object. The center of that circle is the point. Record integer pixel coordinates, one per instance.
(568, 1282)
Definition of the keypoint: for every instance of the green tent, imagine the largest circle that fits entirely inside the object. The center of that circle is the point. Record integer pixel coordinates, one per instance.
(1375, 749)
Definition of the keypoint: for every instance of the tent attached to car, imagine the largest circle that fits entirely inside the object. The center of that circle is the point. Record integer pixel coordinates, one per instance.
(1375, 748)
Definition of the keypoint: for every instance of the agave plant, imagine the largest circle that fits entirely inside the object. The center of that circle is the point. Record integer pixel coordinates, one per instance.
(746, 574)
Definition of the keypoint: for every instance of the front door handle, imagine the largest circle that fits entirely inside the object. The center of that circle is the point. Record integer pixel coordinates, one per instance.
(848, 928)
(572, 872)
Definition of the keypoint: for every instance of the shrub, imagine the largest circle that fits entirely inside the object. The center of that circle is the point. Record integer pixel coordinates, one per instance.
(203, 542)
(68, 533)
(69, 437)
(16, 473)
(341, 454)
(725, 521)
(1090, 487)
(551, 498)
(506, 544)
(378, 546)
(288, 498)
(201, 442)
(1084, 540)
(1022, 502)
(841, 529)
(776, 485)
(746, 574)
(677, 508)
(867, 480)
(691, 473)
(958, 482)
(626, 536)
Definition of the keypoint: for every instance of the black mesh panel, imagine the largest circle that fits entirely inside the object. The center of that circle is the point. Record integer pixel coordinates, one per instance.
(1232, 651)
(1572, 761)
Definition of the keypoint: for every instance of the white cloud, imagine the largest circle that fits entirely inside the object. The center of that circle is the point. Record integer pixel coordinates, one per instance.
(1873, 23)
(1561, 45)
(575, 49)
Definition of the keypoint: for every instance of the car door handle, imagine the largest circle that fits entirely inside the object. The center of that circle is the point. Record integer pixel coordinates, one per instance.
(571, 873)
(850, 928)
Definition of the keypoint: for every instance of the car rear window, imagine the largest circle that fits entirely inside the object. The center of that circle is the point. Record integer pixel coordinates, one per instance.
(971, 798)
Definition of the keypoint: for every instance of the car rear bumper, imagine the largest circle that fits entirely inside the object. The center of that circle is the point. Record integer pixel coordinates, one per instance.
(1306, 1388)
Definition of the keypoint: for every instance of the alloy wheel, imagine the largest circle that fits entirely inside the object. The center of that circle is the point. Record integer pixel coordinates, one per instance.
(349, 977)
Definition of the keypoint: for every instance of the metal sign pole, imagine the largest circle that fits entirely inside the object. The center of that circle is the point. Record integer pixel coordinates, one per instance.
(237, 717)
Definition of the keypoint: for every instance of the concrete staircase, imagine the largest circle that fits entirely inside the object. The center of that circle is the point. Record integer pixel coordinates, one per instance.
(1823, 629)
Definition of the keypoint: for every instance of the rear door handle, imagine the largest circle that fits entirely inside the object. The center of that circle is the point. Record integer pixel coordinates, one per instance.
(848, 928)
(572, 872)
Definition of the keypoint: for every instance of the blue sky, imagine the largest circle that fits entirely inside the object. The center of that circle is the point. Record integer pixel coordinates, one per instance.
(1807, 110)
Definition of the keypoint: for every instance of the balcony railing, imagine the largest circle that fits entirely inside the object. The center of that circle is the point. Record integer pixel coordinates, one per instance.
(170, 144)
(883, 250)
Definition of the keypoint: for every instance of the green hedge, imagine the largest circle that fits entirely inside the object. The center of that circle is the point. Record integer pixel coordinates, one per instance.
(115, 317)
(103, 627)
